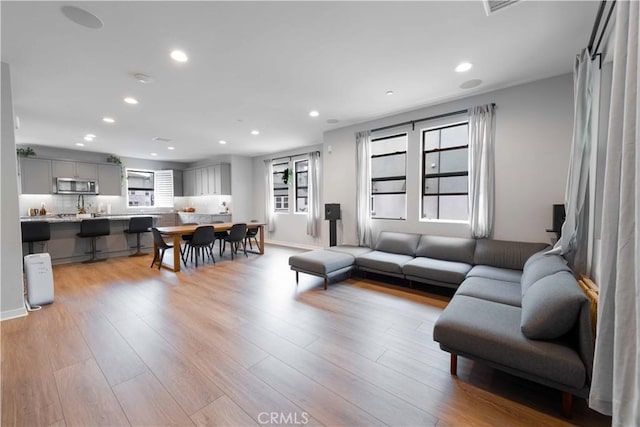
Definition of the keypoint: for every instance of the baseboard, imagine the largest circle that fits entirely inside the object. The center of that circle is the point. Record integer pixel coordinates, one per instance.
(12, 314)
(292, 245)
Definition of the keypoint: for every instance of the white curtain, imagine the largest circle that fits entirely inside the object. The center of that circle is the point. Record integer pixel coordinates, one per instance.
(481, 170)
(615, 388)
(313, 195)
(363, 187)
(573, 243)
(269, 218)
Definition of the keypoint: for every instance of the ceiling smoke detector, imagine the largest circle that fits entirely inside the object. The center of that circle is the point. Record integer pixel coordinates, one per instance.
(492, 6)
(143, 78)
(81, 17)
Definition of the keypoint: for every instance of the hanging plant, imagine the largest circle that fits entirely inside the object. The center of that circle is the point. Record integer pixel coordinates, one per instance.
(287, 176)
(25, 152)
(116, 160)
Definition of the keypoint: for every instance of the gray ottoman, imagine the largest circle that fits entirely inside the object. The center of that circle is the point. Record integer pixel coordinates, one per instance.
(323, 263)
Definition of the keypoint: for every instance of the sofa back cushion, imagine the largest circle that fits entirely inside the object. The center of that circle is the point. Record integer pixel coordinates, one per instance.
(505, 254)
(541, 266)
(397, 243)
(550, 306)
(457, 249)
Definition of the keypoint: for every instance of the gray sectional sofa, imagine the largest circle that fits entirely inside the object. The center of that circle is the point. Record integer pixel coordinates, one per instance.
(515, 307)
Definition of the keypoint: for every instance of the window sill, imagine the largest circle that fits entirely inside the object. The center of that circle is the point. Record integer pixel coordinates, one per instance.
(445, 221)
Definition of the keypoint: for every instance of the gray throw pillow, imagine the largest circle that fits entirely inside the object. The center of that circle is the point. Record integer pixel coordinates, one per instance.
(550, 306)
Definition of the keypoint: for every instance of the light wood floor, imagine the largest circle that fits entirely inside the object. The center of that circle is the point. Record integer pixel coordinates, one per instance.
(237, 343)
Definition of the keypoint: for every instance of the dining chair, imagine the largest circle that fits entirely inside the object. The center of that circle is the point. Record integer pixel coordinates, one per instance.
(220, 235)
(236, 236)
(161, 246)
(252, 233)
(201, 243)
(186, 238)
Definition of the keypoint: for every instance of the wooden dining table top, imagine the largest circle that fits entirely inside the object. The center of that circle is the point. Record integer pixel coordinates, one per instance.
(189, 229)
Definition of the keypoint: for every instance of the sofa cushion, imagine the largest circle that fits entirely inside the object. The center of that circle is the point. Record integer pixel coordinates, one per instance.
(491, 331)
(457, 249)
(535, 257)
(350, 249)
(398, 243)
(383, 261)
(496, 273)
(540, 267)
(491, 290)
(504, 254)
(550, 306)
(436, 269)
(321, 262)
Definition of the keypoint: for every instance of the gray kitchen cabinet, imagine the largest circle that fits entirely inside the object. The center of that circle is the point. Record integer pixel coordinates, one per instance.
(223, 179)
(35, 176)
(67, 169)
(211, 179)
(177, 183)
(198, 182)
(110, 180)
(189, 182)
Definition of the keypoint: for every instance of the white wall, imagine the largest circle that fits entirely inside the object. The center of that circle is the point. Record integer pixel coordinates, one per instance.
(290, 228)
(12, 300)
(242, 189)
(533, 137)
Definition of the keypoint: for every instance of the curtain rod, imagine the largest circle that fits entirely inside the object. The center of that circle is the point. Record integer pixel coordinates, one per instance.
(596, 26)
(295, 155)
(413, 122)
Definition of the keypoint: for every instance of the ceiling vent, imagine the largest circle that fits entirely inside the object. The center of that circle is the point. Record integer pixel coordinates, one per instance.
(160, 139)
(492, 6)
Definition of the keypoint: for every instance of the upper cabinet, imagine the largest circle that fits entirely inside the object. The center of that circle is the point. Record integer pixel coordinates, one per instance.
(35, 176)
(109, 180)
(67, 169)
(207, 181)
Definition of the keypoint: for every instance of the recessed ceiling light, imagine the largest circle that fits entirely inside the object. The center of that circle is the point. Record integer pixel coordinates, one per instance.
(154, 154)
(389, 93)
(79, 144)
(314, 113)
(81, 17)
(108, 120)
(463, 66)
(130, 100)
(171, 148)
(469, 84)
(180, 56)
(89, 137)
(255, 132)
(222, 141)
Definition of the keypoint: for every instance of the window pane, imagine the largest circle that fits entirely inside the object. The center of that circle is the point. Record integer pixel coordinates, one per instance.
(454, 161)
(454, 136)
(454, 207)
(301, 204)
(388, 166)
(431, 163)
(390, 206)
(394, 186)
(431, 185)
(454, 184)
(302, 179)
(430, 207)
(302, 192)
(431, 140)
(389, 145)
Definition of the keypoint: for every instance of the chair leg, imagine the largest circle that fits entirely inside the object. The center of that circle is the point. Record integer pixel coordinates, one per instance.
(453, 367)
(211, 253)
(567, 403)
(161, 258)
(155, 257)
(244, 247)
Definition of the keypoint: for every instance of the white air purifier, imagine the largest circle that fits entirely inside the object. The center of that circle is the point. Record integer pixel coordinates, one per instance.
(39, 275)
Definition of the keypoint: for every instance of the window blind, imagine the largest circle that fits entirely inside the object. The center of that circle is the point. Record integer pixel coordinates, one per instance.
(163, 189)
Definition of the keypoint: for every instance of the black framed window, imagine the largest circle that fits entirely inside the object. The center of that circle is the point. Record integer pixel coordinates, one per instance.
(301, 185)
(389, 177)
(445, 165)
(280, 187)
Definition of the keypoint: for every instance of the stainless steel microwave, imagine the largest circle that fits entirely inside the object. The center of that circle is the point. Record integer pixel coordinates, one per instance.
(76, 186)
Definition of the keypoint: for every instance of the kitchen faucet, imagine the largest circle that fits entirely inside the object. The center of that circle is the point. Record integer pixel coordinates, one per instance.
(80, 204)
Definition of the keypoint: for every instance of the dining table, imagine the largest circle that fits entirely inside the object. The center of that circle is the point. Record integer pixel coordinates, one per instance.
(177, 231)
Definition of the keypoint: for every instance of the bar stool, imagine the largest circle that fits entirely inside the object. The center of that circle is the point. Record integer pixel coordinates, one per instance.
(35, 231)
(137, 225)
(94, 228)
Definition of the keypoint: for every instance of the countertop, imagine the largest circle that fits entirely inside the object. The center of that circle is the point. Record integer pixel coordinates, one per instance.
(65, 218)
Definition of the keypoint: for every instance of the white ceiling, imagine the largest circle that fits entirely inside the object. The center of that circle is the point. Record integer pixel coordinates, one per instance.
(264, 65)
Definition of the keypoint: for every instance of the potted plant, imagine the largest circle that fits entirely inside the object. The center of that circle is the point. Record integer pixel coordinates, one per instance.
(25, 152)
(287, 175)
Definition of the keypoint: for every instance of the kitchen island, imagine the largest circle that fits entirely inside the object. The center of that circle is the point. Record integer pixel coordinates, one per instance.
(66, 247)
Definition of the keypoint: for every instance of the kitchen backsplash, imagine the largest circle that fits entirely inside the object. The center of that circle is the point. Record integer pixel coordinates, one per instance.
(67, 203)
